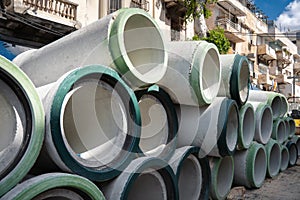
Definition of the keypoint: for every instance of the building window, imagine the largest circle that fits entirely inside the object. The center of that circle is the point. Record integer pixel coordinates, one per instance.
(114, 5)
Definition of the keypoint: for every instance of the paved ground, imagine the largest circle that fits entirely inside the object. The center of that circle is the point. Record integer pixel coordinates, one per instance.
(285, 186)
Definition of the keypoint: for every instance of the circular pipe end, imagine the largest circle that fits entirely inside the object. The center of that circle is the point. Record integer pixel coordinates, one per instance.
(222, 177)
(142, 61)
(264, 122)
(276, 103)
(273, 158)
(246, 127)
(285, 158)
(239, 81)
(206, 74)
(293, 152)
(279, 131)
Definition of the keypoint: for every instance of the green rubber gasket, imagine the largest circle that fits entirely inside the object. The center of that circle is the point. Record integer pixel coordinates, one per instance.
(36, 119)
(195, 75)
(111, 77)
(205, 169)
(250, 161)
(116, 46)
(235, 79)
(32, 187)
(222, 124)
(162, 168)
(163, 97)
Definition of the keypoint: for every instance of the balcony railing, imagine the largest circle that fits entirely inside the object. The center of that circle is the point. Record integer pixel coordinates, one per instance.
(227, 24)
(61, 8)
(266, 51)
(140, 4)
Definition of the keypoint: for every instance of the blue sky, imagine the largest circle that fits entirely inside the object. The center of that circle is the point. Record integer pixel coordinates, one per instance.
(285, 12)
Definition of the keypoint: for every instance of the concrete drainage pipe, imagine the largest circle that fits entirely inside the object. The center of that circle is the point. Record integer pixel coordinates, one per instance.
(285, 157)
(22, 125)
(296, 139)
(246, 126)
(213, 128)
(159, 123)
(193, 174)
(286, 121)
(279, 130)
(55, 186)
(235, 78)
(194, 73)
(263, 122)
(145, 178)
(293, 152)
(250, 166)
(271, 98)
(292, 127)
(273, 158)
(92, 123)
(222, 171)
(284, 105)
(128, 40)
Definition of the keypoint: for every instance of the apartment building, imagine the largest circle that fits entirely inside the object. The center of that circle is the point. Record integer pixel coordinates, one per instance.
(273, 56)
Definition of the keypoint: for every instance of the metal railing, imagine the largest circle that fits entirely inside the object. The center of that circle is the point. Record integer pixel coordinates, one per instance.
(61, 8)
(143, 4)
(225, 22)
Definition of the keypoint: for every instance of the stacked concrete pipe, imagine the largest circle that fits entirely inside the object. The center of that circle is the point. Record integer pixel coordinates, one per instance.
(192, 173)
(128, 40)
(222, 173)
(194, 73)
(235, 78)
(250, 166)
(55, 186)
(292, 126)
(145, 178)
(284, 105)
(263, 122)
(296, 139)
(213, 128)
(293, 152)
(285, 157)
(92, 123)
(279, 130)
(159, 123)
(271, 98)
(246, 126)
(273, 151)
(22, 125)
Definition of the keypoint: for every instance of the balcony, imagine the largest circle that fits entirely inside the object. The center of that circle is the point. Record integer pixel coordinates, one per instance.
(142, 4)
(265, 52)
(35, 23)
(233, 6)
(283, 57)
(233, 31)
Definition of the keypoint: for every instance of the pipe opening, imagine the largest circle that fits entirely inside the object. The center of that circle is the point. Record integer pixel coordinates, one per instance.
(190, 178)
(243, 81)
(287, 129)
(274, 160)
(293, 154)
(281, 132)
(260, 166)
(284, 158)
(292, 127)
(60, 194)
(210, 76)
(266, 124)
(232, 128)
(154, 130)
(284, 105)
(225, 176)
(298, 145)
(276, 106)
(94, 122)
(248, 126)
(13, 131)
(148, 185)
(144, 48)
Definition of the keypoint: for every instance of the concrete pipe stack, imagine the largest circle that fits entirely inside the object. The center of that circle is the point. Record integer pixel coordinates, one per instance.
(112, 111)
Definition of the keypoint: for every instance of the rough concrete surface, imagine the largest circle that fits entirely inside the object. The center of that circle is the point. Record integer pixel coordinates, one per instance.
(285, 186)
